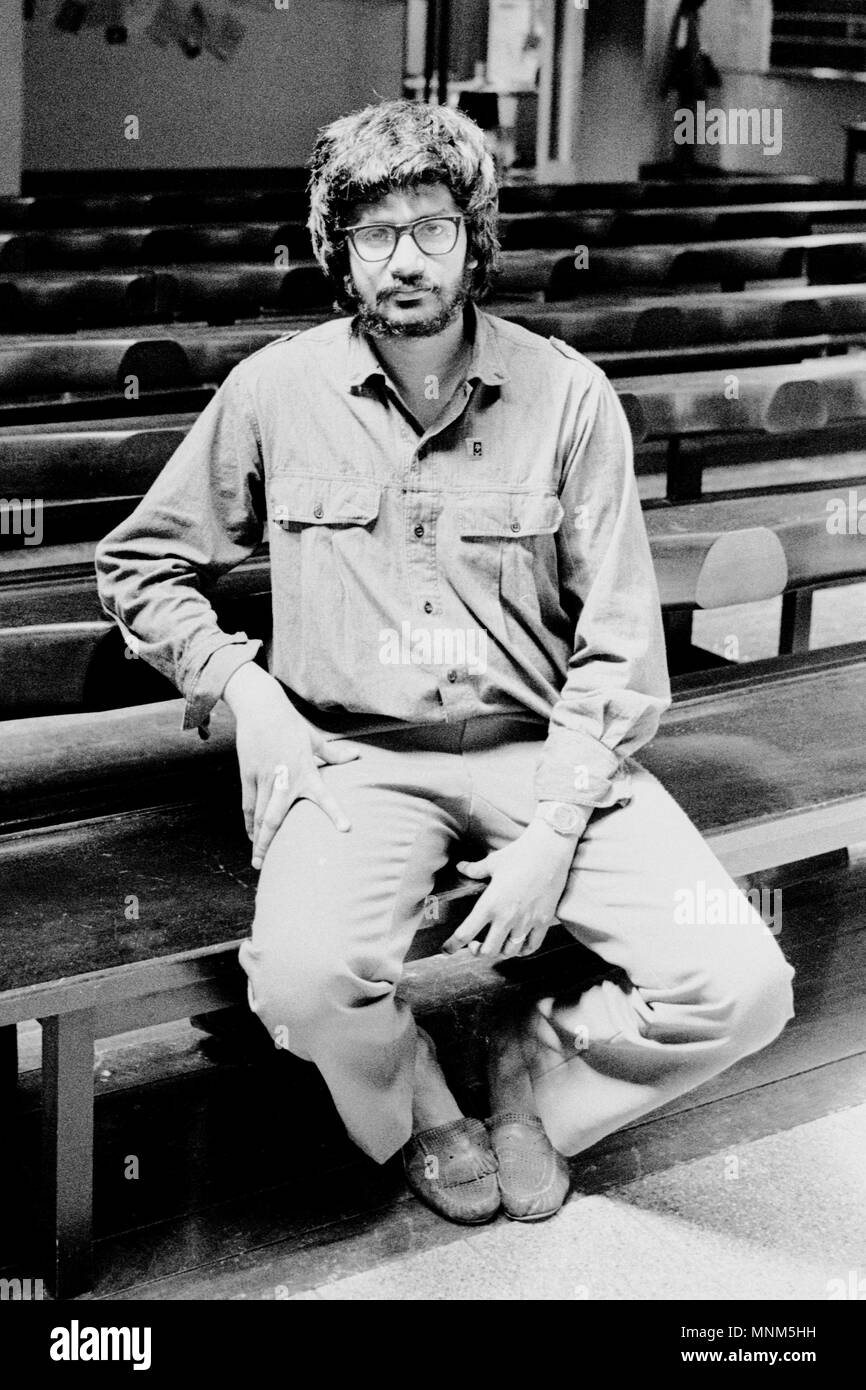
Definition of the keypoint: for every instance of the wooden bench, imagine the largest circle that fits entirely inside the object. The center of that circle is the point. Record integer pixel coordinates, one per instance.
(69, 298)
(653, 193)
(220, 292)
(676, 231)
(773, 399)
(95, 247)
(613, 323)
(626, 334)
(772, 769)
(34, 366)
(826, 259)
(214, 291)
(137, 209)
(606, 226)
(254, 200)
(211, 353)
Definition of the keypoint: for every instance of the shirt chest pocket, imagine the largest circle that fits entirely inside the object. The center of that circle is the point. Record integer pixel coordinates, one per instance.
(509, 541)
(320, 535)
(509, 538)
(299, 502)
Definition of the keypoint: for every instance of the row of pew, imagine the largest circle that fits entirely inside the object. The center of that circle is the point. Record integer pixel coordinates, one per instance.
(628, 334)
(251, 198)
(157, 243)
(223, 291)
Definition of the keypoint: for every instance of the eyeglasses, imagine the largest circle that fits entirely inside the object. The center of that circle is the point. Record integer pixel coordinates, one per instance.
(377, 241)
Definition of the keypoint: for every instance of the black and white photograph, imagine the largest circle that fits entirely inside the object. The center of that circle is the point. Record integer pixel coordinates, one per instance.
(433, 652)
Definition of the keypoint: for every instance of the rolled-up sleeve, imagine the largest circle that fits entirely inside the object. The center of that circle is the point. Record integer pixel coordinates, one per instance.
(203, 515)
(617, 685)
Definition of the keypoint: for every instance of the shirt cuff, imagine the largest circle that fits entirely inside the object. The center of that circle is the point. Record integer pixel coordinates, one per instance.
(213, 678)
(578, 769)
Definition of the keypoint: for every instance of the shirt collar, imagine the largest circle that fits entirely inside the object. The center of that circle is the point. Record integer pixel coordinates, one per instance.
(486, 363)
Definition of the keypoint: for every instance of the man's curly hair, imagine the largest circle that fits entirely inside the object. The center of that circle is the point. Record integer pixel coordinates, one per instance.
(401, 145)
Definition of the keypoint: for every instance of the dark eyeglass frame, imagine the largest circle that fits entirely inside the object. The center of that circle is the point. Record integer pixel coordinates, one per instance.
(398, 228)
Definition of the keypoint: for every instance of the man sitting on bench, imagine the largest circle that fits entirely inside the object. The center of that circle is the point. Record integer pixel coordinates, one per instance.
(466, 647)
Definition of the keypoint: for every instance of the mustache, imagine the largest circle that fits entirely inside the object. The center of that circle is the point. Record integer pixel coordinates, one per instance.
(416, 288)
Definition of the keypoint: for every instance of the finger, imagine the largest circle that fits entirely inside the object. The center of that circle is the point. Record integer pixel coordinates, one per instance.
(495, 940)
(335, 750)
(263, 796)
(474, 869)
(534, 941)
(275, 813)
(315, 790)
(478, 918)
(248, 806)
(515, 944)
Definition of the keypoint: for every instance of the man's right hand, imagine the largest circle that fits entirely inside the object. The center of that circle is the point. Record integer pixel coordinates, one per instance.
(276, 752)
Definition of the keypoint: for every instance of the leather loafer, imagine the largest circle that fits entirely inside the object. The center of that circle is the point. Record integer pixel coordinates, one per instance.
(452, 1169)
(533, 1178)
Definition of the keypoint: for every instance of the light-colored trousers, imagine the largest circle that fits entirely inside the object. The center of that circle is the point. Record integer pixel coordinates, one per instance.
(336, 912)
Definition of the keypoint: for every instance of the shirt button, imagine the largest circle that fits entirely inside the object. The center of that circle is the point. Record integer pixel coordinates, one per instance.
(452, 676)
(419, 531)
(428, 607)
(515, 525)
(318, 510)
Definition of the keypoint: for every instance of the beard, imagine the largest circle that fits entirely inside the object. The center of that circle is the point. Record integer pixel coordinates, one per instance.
(444, 308)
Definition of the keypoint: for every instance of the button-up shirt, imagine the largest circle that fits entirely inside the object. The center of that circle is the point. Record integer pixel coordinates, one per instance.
(494, 563)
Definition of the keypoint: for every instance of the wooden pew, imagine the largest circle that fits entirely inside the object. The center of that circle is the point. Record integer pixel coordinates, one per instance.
(221, 292)
(194, 354)
(214, 291)
(610, 323)
(94, 248)
(831, 258)
(100, 247)
(33, 366)
(811, 405)
(86, 479)
(757, 766)
(775, 399)
(248, 199)
(625, 334)
(69, 298)
(135, 209)
(97, 247)
(814, 549)
(524, 196)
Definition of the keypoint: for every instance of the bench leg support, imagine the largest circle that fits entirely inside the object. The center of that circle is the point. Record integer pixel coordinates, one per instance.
(8, 1059)
(67, 1085)
(796, 624)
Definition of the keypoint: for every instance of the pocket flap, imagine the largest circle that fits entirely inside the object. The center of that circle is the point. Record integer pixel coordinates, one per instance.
(511, 514)
(308, 501)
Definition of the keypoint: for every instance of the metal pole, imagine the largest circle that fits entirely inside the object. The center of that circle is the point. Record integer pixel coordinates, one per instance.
(444, 44)
(430, 47)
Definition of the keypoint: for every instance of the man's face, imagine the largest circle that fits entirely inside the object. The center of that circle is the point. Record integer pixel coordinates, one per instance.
(410, 294)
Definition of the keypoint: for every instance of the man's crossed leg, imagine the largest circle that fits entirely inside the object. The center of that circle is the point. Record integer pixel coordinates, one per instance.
(336, 913)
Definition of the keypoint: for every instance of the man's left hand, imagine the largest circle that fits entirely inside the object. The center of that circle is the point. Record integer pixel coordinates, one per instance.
(518, 906)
